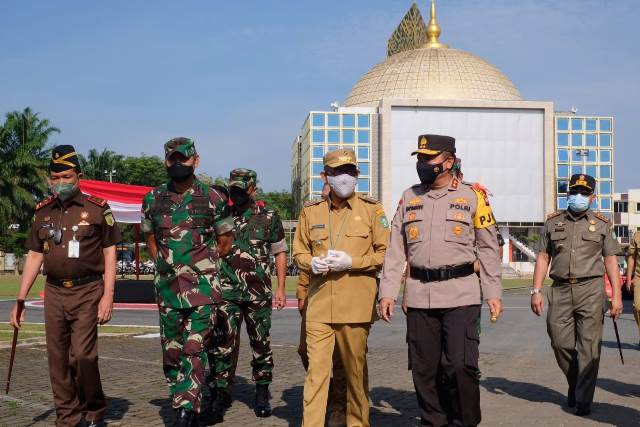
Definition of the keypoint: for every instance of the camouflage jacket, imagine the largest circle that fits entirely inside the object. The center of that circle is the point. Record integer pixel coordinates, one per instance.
(185, 227)
(246, 271)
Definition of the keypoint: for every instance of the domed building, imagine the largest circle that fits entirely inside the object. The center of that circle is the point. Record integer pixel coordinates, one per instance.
(424, 86)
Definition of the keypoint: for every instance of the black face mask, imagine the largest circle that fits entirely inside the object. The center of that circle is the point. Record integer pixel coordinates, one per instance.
(428, 173)
(239, 196)
(179, 172)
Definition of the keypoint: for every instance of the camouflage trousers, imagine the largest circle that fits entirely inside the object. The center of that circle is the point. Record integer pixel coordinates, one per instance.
(223, 353)
(183, 332)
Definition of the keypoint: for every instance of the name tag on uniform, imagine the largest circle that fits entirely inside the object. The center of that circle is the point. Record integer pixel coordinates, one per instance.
(74, 249)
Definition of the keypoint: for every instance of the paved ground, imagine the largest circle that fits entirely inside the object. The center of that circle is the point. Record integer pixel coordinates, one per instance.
(521, 383)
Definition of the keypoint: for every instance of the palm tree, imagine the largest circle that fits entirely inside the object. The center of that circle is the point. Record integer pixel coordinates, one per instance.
(23, 170)
(99, 165)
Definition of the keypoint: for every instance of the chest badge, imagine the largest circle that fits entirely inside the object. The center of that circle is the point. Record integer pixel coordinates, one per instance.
(47, 218)
(413, 232)
(415, 201)
(45, 247)
(411, 216)
(459, 216)
(457, 230)
(592, 227)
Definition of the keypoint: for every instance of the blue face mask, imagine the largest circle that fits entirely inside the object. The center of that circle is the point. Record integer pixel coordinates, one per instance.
(578, 203)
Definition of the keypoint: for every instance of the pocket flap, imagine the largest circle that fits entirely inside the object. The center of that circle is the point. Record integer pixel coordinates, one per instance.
(357, 232)
(85, 230)
(319, 233)
(592, 237)
(459, 216)
(558, 235)
(413, 215)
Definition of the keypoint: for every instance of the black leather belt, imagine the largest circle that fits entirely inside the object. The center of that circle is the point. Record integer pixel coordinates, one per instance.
(70, 283)
(440, 274)
(574, 280)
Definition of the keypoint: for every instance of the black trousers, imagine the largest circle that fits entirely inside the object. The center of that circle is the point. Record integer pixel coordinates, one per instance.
(443, 354)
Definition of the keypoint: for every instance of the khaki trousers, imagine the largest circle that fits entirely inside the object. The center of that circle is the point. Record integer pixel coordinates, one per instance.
(350, 340)
(72, 351)
(636, 300)
(574, 323)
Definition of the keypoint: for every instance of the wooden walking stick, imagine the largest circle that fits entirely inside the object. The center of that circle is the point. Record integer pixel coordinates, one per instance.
(20, 307)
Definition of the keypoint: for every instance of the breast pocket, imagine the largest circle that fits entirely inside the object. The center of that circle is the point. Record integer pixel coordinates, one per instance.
(86, 231)
(558, 239)
(358, 236)
(458, 227)
(592, 243)
(413, 225)
(319, 241)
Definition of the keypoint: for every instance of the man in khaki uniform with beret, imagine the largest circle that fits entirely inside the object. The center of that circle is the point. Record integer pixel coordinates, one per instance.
(340, 242)
(633, 274)
(440, 228)
(575, 242)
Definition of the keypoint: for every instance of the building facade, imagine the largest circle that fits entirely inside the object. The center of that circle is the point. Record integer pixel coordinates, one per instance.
(626, 216)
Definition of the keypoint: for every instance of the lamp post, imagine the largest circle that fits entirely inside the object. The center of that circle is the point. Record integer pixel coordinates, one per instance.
(110, 173)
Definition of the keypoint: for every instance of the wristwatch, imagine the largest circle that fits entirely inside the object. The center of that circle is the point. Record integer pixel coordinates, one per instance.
(536, 291)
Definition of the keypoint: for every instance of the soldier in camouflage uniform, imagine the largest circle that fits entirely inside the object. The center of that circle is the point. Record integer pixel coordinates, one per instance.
(188, 226)
(246, 292)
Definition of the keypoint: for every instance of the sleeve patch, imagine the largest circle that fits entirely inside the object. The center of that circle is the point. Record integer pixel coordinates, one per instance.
(483, 217)
(108, 218)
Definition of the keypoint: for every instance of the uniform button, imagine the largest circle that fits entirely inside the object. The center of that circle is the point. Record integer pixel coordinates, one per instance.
(573, 250)
(63, 246)
(64, 228)
(66, 212)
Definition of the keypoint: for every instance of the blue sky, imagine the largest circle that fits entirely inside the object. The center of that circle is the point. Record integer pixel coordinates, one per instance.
(239, 77)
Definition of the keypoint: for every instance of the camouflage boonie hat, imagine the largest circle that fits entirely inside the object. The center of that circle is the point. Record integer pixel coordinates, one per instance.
(341, 157)
(184, 146)
(242, 178)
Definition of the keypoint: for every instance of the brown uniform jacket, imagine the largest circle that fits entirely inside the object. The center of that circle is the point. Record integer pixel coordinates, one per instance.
(634, 252)
(577, 244)
(96, 230)
(443, 228)
(361, 230)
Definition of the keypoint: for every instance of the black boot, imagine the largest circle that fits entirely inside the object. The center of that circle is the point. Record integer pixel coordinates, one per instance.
(262, 408)
(186, 418)
(219, 403)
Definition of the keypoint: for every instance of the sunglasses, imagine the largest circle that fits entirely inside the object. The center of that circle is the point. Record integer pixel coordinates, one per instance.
(585, 193)
(353, 171)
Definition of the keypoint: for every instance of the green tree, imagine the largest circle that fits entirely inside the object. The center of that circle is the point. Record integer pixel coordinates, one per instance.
(280, 201)
(23, 170)
(144, 170)
(100, 165)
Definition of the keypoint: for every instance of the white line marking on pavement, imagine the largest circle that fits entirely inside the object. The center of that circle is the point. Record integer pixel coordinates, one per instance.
(156, 335)
(119, 359)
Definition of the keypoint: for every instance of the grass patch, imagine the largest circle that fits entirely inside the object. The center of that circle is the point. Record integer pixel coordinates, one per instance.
(35, 330)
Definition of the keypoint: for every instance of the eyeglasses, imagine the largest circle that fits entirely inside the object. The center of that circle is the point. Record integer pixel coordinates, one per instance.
(351, 170)
(585, 193)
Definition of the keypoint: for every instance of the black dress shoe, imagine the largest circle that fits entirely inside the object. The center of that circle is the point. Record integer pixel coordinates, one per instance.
(582, 410)
(98, 423)
(186, 418)
(262, 408)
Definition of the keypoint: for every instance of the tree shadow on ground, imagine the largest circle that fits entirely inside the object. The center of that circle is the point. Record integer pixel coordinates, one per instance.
(291, 411)
(624, 345)
(619, 388)
(602, 412)
(116, 410)
(165, 410)
(391, 407)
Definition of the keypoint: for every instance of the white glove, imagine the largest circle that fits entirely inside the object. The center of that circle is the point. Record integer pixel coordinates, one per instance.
(319, 265)
(338, 261)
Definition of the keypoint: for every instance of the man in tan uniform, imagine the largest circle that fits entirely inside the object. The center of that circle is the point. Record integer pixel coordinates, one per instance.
(633, 274)
(440, 228)
(575, 242)
(340, 242)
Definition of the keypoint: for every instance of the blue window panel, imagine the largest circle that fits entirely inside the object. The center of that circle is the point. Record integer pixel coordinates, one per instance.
(605, 188)
(332, 148)
(594, 204)
(563, 140)
(347, 147)
(591, 124)
(562, 203)
(363, 120)
(349, 120)
(591, 140)
(576, 156)
(605, 125)
(605, 156)
(363, 184)
(562, 186)
(576, 124)
(605, 171)
(591, 170)
(333, 120)
(591, 156)
(318, 119)
(563, 156)
(576, 140)
(318, 136)
(348, 136)
(364, 168)
(363, 153)
(563, 171)
(563, 124)
(605, 204)
(318, 152)
(317, 168)
(576, 169)
(317, 184)
(363, 137)
(605, 140)
(333, 136)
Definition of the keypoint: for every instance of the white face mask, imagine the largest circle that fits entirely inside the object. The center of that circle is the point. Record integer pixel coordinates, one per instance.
(343, 185)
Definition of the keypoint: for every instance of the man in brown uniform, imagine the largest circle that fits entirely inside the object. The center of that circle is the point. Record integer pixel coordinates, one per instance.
(75, 236)
(440, 228)
(575, 242)
(633, 274)
(340, 242)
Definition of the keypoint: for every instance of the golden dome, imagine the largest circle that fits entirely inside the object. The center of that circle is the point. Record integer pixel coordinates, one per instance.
(432, 71)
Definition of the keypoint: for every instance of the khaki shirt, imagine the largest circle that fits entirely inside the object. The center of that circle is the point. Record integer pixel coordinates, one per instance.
(633, 251)
(360, 229)
(577, 244)
(303, 284)
(443, 228)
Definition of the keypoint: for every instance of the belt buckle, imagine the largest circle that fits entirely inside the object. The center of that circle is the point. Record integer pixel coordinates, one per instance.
(573, 281)
(67, 283)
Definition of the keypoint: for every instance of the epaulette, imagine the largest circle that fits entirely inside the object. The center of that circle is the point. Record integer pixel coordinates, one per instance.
(97, 201)
(45, 202)
(601, 217)
(368, 199)
(313, 202)
(554, 214)
(479, 188)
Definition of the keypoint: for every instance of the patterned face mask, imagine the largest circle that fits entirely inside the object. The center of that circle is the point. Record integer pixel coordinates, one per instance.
(343, 185)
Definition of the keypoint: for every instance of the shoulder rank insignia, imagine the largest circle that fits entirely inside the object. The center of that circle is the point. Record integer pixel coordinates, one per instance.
(554, 214)
(97, 201)
(601, 217)
(367, 198)
(45, 202)
(313, 202)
